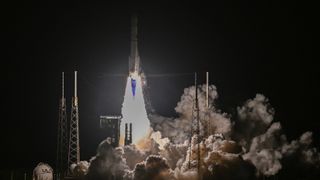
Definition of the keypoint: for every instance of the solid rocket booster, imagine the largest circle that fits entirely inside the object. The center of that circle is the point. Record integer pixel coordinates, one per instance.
(134, 59)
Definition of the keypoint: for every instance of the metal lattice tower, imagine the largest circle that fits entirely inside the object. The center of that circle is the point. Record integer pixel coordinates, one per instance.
(128, 134)
(208, 129)
(74, 148)
(195, 122)
(62, 140)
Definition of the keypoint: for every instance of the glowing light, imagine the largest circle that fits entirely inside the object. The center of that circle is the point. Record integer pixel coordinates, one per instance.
(134, 111)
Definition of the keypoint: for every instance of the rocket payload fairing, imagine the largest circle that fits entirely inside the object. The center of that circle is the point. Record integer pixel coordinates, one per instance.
(134, 59)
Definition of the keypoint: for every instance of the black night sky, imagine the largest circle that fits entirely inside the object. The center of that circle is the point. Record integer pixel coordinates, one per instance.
(248, 47)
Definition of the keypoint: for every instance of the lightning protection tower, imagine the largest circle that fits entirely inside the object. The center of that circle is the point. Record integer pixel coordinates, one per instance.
(62, 140)
(74, 148)
(208, 128)
(195, 131)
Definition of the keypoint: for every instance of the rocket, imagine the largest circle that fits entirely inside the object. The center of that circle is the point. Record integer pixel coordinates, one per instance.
(134, 58)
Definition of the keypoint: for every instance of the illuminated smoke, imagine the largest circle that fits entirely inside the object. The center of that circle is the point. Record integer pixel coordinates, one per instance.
(263, 141)
(42, 172)
(134, 111)
(154, 167)
(108, 163)
(248, 145)
(178, 130)
(135, 155)
(79, 169)
(219, 159)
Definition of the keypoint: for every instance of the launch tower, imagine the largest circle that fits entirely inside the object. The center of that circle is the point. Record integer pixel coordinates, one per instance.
(62, 141)
(74, 147)
(195, 131)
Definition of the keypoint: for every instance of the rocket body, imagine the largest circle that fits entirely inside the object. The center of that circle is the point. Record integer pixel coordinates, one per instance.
(134, 58)
(134, 107)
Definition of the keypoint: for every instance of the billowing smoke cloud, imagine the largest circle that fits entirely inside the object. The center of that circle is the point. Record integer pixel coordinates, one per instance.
(248, 145)
(155, 167)
(80, 169)
(42, 172)
(178, 130)
(108, 163)
(175, 153)
(265, 151)
(263, 141)
(133, 155)
(254, 118)
(219, 159)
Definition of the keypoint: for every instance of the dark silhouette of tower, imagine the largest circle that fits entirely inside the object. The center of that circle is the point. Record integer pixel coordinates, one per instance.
(195, 123)
(74, 147)
(62, 140)
(112, 126)
(207, 128)
(128, 134)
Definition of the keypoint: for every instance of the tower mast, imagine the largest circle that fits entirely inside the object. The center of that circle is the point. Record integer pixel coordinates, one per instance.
(207, 90)
(196, 131)
(198, 128)
(207, 113)
(62, 140)
(74, 148)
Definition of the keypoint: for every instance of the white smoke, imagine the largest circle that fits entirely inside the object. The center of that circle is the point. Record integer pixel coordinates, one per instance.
(80, 169)
(178, 130)
(219, 159)
(42, 172)
(174, 153)
(264, 143)
(154, 167)
(254, 118)
(265, 151)
(108, 163)
(246, 146)
(134, 155)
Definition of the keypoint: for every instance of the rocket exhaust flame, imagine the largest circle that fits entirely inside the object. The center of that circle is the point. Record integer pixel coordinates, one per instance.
(133, 109)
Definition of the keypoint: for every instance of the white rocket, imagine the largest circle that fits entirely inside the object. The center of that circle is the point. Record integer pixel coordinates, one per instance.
(134, 59)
